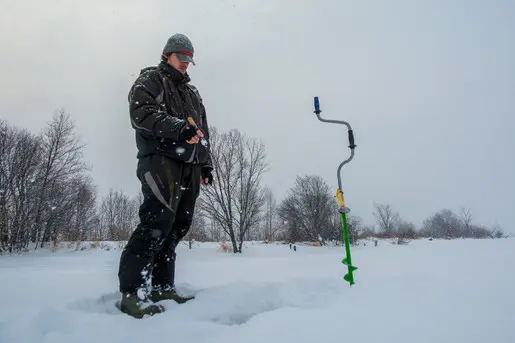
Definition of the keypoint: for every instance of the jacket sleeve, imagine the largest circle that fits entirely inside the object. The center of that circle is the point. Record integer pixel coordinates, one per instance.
(205, 130)
(147, 114)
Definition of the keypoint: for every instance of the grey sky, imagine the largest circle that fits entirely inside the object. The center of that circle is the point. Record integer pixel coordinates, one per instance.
(427, 85)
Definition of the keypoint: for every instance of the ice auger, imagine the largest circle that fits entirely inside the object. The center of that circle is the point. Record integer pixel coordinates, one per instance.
(349, 277)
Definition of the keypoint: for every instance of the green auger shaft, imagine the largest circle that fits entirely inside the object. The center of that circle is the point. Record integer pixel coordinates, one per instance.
(349, 277)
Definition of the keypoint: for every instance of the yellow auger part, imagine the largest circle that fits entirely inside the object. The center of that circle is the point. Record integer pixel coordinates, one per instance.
(339, 197)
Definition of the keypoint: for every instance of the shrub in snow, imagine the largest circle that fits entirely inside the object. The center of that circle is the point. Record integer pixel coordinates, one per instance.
(402, 241)
(225, 247)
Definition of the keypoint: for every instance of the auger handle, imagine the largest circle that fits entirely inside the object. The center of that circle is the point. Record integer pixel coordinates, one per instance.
(352, 145)
(349, 128)
(351, 139)
(317, 106)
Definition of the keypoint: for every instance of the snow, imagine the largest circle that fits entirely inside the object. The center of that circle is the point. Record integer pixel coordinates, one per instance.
(425, 291)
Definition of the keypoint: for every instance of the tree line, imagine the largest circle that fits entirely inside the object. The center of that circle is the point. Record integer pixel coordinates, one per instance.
(47, 195)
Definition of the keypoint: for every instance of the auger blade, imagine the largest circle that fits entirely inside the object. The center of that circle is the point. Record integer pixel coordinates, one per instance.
(349, 278)
(351, 268)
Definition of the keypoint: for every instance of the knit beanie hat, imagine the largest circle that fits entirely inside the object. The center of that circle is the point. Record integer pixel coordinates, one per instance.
(181, 46)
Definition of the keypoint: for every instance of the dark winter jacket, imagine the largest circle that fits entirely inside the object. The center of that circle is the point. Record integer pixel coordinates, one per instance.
(160, 101)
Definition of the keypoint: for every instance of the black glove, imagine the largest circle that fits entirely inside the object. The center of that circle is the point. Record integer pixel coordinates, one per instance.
(206, 173)
(187, 132)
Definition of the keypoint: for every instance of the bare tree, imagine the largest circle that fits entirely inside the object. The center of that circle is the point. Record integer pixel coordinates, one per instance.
(308, 209)
(270, 218)
(406, 229)
(62, 161)
(199, 228)
(6, 142)
(214, 230)
(235, 199)
(355, 227)
(83, 210)
(447, 224)
(443, 224)
(478, 231)
(36, 182)
(466, 220)
(250, 196)
(387, 219)
(367, 231)
(19, 164)
(497, 231)
(118, 215)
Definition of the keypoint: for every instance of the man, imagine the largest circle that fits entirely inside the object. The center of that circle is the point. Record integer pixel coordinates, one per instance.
(172, 139)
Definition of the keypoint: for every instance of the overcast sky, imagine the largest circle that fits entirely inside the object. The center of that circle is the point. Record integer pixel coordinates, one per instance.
(428, 87)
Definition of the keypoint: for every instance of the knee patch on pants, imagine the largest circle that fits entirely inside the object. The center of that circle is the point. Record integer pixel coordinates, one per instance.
(156, 240)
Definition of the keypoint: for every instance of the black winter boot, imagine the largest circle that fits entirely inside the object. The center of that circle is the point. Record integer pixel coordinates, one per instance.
(132, 305)
(156, 296)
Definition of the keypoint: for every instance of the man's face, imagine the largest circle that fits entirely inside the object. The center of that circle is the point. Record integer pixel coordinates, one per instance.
(177, 64)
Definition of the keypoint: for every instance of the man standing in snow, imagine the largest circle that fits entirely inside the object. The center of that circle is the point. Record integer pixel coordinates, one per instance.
(174, 158)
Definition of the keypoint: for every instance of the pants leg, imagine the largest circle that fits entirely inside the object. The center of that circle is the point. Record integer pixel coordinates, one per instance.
(161, 191)
(163, 276)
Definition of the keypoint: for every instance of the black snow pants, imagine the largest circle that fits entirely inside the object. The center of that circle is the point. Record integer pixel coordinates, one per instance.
(170, 189)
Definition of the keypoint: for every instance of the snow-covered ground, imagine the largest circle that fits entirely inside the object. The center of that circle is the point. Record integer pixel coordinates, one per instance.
(426, 291)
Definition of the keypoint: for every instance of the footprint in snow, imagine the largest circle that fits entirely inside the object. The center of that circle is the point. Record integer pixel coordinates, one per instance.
(103, 304)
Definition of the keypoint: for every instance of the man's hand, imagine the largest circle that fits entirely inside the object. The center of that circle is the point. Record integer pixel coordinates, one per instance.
(191, 132)
(188, 133)
(194, 140)
(206, 176)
